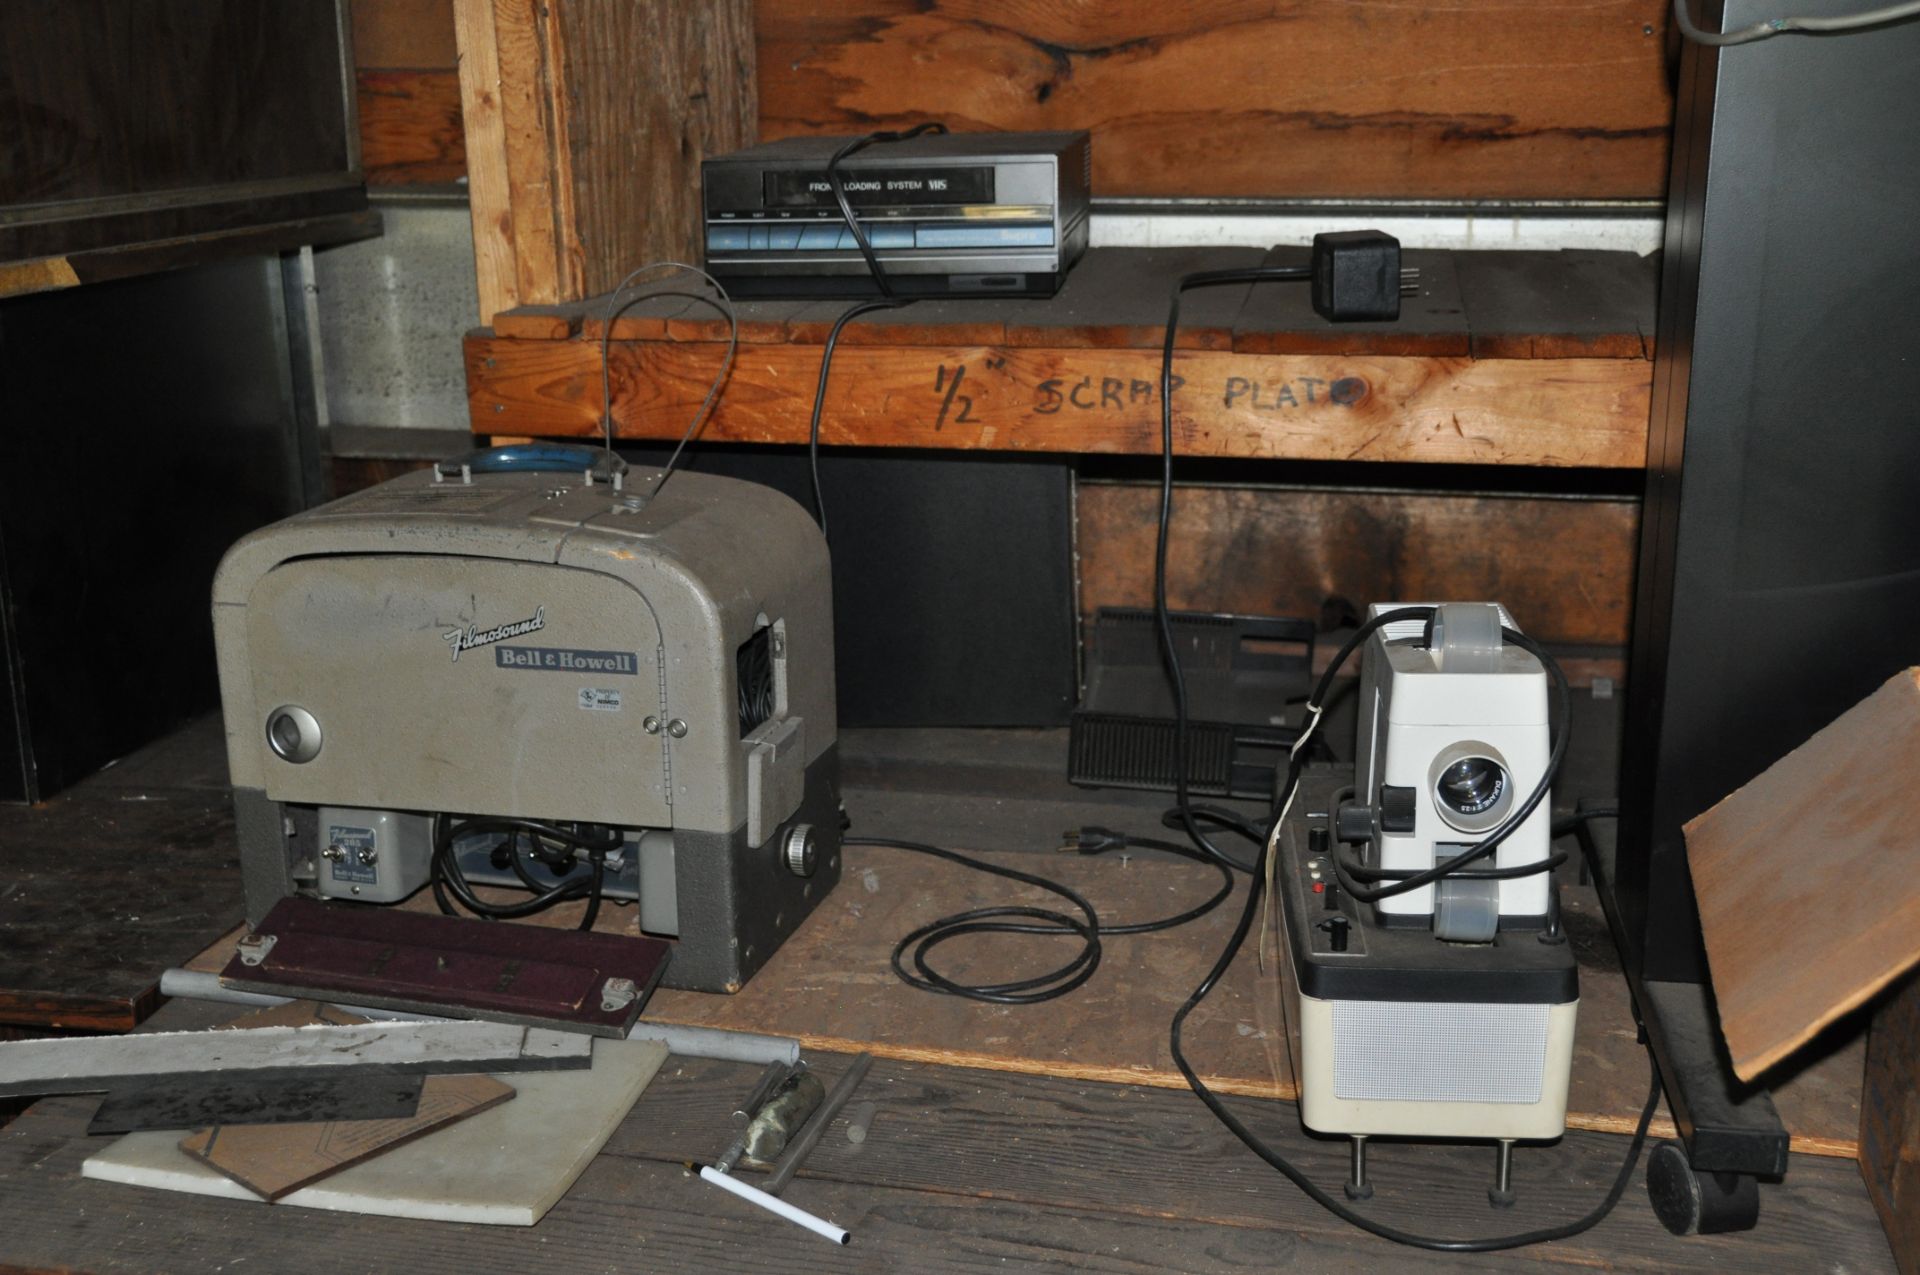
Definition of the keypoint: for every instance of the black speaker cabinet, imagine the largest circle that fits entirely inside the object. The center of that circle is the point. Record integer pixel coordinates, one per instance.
(1779, 576)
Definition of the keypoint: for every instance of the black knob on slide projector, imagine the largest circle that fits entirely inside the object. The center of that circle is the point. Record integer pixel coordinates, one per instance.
(1396, 809)
(1354, 823)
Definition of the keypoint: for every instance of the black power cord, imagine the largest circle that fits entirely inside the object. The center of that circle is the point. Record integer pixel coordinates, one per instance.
(1163, 618)
(886, 301)
(1011, 919)
(820, 396)
(1354, 275)
(1254, 1143)
(1595, 810)
(553, 844)
(846, 207)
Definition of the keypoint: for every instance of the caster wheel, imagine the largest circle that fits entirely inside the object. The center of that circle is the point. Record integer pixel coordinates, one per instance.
(1689, 1203)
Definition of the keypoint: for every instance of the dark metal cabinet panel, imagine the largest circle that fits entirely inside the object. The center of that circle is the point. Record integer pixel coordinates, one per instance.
(150, 423)
(128, 121)
(1779, 576)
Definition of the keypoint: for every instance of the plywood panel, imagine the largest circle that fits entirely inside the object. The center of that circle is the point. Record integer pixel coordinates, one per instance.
(410, 127)
(108, 98)
(1477, 98)
(1808, 879)
(404, 34)
(1563, 567)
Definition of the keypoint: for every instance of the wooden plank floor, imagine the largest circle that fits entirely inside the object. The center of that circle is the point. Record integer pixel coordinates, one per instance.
(963, 1171)
(968, 1168)
(832, 987)
(110, 882)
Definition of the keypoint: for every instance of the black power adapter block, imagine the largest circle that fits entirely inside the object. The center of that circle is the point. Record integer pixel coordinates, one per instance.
(1356, 276)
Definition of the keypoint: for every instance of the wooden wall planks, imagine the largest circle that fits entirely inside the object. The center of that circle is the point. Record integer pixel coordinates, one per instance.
(586, 124)
(652, 89)
(1474, 99)
(1480, 99)
(1563, 567)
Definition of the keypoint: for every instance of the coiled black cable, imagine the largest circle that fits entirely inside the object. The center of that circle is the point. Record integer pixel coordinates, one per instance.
(552, 843)
(1014, 919)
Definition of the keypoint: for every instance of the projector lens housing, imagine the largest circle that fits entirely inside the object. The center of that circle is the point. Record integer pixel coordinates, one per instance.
(1472, 787)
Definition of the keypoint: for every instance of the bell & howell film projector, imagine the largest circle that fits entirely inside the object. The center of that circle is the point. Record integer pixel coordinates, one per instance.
(1446, 1011)
(415, 675)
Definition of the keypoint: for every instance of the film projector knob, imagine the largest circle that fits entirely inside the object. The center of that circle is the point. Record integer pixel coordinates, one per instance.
(799, 851)
(293, 734)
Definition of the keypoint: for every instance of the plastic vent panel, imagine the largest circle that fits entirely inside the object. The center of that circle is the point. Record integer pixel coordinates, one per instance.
(1419, 1051)
(1110, 751)
(1240, 672)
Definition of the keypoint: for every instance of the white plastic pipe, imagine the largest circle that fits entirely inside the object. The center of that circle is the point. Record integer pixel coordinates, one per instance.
(774, 1204)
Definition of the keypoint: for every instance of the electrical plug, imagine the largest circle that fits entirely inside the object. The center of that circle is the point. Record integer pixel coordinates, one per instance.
(1091, 840)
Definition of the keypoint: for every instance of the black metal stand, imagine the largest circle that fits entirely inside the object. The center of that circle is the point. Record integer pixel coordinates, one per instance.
(1729, 1132)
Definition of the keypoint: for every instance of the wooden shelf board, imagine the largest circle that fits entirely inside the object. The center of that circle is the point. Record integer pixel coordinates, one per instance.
(1500, 358)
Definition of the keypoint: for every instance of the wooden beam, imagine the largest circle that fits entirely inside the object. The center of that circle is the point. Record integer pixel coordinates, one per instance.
(1546, 412)
(1477, 99)
(488, 194)
(587, 122)
(1890, 1121)
(535, 151)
